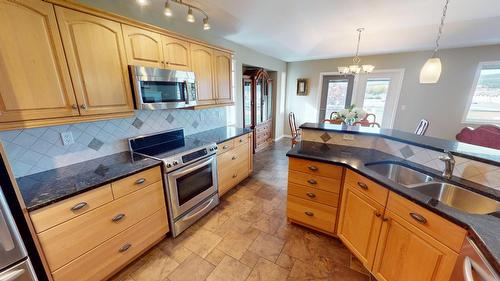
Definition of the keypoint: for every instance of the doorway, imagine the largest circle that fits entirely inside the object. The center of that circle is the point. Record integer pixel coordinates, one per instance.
(336, 94)
(258, 105)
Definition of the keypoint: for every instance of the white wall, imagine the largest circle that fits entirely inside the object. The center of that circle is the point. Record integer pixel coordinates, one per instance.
(443, 104)
(242, 55)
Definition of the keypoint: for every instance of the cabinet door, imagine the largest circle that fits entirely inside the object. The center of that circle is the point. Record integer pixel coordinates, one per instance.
(406, 253)
(143, 47)
(202, 63)
(97, 62)
(359, 224)
(176, 53)
(35, 81)
(223, 79)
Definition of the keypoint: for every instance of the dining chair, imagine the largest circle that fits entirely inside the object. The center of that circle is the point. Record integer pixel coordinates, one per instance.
(422, 127)
(366, 124)
(293, 128)
(332, 121)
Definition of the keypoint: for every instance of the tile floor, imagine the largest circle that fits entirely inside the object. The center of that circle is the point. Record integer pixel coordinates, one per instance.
(247, 237)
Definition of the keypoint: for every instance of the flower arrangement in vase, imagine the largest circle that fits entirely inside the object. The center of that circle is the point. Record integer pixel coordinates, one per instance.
(350, 115)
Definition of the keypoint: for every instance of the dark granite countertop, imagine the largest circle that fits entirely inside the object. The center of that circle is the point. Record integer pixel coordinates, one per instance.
(474, 152)
(484, 229)
(45, 188)
(221, 134)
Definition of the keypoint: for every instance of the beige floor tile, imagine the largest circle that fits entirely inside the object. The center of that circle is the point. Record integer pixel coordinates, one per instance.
(268, 224)
(213, 220)
(285, 261)
(305, 271)
(249, 258)
(193, 268)
(229, 269)
(233, 224)
(265, 270)
(356, 265)
(215, 256)
(267, 246)
(235, 243)
(156, 268)
(201, 242)
(171, 248)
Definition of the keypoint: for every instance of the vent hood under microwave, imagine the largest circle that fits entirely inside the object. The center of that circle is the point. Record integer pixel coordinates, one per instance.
(158, 88)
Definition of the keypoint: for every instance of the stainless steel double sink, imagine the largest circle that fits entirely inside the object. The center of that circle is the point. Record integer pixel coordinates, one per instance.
(449, 194)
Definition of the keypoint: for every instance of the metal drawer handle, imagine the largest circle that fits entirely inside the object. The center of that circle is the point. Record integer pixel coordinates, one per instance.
(418, 217)
(118, 217)
(241, 140)
(308, 213)
(79, 206)
(363, 185)
(124, 248)
(311, 181)
(313, 168)
(311, 195)
(386, 219)
(234, 158)
(74, 106)
(377, 213)
(83, 106)
(225, 147)
(234, 175)
(140, 181)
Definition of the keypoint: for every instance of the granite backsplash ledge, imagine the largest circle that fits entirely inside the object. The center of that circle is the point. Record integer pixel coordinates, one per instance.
(36, 150)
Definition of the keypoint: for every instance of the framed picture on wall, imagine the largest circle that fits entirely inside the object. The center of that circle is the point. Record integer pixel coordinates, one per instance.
(302, 87)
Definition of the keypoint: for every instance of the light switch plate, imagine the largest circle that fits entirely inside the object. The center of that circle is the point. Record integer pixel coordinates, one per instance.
(67, 138)
(349, 137)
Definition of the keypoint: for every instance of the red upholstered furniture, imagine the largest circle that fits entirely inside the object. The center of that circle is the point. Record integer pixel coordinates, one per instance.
(485, 135)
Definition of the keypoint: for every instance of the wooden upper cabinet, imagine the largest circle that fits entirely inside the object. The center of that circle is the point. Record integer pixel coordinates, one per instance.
(97, 62)
(143, 47)
(406, 253)
(203, 67)
(35, 81)
(359, 225)
(223, 77)
(176, 53)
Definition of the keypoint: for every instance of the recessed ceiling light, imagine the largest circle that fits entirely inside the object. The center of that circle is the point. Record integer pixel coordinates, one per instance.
(142, 2)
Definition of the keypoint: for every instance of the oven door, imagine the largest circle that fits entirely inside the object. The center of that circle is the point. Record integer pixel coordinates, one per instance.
(192, 184)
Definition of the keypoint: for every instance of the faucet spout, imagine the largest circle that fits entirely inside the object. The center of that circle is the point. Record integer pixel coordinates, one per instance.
(449, 164)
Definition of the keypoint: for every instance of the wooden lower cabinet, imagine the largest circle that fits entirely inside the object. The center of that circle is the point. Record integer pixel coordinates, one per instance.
(406, 253)
(359, 224)
(234, 162)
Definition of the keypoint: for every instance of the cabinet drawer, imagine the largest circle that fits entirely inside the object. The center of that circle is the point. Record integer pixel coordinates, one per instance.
(234, 156)
(315, 168)
(65, 242)
(311, 213)
(225, 146)
(323, 183)
(229, 176)
(135, 182)
(439, 228)
(105, 259)
(313, 194)
(367, 187)
(60, 212)
(241, 140)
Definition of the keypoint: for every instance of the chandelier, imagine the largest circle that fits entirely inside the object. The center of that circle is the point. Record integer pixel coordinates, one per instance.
(356, 68)
(167, 11)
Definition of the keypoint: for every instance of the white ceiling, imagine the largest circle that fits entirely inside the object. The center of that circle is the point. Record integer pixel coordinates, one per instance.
(295, 30)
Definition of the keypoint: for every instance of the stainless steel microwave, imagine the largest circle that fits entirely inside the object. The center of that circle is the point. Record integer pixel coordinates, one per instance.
(157, 88)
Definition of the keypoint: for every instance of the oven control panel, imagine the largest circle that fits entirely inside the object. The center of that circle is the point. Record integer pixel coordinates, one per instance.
(177, 161)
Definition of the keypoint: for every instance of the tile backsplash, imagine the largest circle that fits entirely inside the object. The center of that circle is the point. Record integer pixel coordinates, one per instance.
(35, 150)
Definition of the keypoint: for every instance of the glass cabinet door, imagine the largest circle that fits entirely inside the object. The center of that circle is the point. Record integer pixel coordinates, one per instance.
(258, 102)
(247, 103)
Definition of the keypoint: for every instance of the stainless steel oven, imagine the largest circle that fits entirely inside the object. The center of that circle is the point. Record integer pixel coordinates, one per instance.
(157, 88)
(192, 192)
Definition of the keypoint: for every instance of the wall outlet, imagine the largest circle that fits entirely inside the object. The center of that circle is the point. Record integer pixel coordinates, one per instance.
(349, 137)
(67, 138)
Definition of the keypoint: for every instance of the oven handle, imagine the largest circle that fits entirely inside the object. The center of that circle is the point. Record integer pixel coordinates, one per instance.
(470, 265)
(207, 205)
(188, 170)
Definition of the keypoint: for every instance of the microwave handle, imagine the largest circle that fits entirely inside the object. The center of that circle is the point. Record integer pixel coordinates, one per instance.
(185, 85)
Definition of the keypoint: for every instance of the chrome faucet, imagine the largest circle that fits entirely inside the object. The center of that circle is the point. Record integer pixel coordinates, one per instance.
(449, 164)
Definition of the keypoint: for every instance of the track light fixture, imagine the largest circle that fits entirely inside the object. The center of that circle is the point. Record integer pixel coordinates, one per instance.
(190, 18)
(167, 11)
(206, 25)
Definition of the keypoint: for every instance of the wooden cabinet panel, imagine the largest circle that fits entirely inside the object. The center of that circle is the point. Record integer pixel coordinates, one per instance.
(406, 253)
(230, 176)
(223, 77)
(99, 71)
(203, 67)
(367, 187)
(360, 220)
(235, 164)
(441, 229)
(315, 168)
(60, 212)
(135, 182)
(241, 140)
(313, 194)
(176, 54)
(318, 216)
(319, 182)
(225, 146)
(105, 259)
(67, 241)
(35, 81)
(143, 47)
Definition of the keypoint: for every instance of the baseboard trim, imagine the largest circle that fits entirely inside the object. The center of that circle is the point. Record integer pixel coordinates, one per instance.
(283, 136)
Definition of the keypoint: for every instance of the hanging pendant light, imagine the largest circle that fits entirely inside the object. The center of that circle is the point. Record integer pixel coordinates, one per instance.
(356, 68)
(431, 71)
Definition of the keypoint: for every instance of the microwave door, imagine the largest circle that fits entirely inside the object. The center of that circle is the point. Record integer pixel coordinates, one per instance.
(11, 248)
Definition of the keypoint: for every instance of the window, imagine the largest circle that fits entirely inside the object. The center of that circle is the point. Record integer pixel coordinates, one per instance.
(484, 103)
(376, 96)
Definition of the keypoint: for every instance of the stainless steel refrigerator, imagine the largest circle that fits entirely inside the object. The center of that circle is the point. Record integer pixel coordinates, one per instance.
(14, 262)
